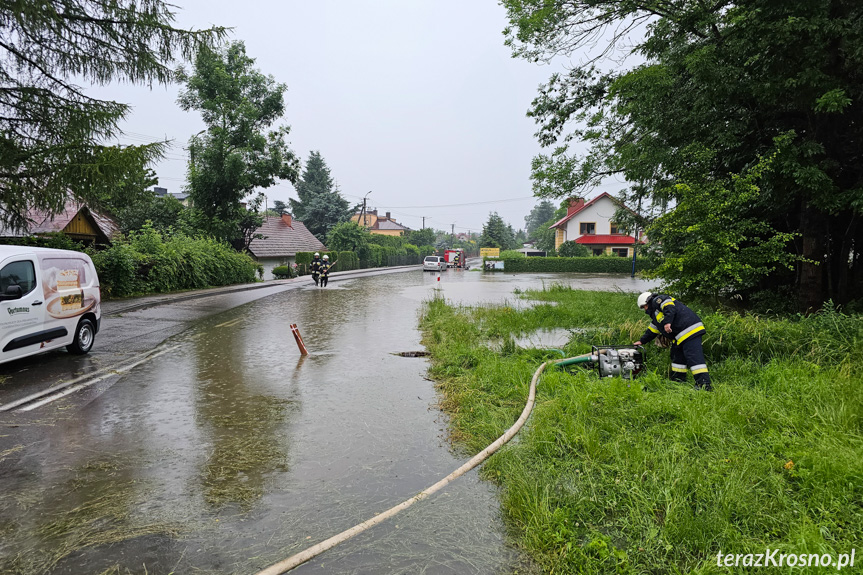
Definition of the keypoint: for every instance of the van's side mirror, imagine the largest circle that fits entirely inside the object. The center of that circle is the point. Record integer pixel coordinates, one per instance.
(12, 292)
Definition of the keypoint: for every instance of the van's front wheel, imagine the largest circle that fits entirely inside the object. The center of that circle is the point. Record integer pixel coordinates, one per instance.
(85, 335)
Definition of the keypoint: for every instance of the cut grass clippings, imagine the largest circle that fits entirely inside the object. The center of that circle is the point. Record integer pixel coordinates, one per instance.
(650, 476)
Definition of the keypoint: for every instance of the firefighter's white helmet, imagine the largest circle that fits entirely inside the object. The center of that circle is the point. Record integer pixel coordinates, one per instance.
(644, 298)
(326, 257)
(317, 254)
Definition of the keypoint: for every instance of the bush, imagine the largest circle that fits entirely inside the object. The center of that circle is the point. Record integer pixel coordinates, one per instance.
(56, 240)
(571, 249)
(511, 254)
(593, 264)
(348, 261)
(146, 262)
(284, 272)
(303, 259)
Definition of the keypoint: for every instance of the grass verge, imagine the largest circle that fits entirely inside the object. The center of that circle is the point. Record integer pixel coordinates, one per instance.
(652, 476)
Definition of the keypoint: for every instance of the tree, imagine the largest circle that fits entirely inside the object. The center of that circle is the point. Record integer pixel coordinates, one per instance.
(237, 153)
(423, 237)
(134, 190)
(320, 205)
(163, 213)
(347, 236)
(724, 81)
(497, 234)
(541, 213)
(280, 207)
(52, 133)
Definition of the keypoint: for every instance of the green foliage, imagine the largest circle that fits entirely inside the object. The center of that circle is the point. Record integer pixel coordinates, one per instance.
(235, 155)
(651, 476)
(388, 241)
(571, 249)
(714, 242)
(320, 205)
(511, 254)
(56, 240)
(592, 264)
(280, 207)
(148, 262)
(497, 234)
(540, 214)
(726, 81)
(424, 237)
(348, 260)
(165, 214)
(347, 236)
(284, 272)
(52, 131)
(303, 259)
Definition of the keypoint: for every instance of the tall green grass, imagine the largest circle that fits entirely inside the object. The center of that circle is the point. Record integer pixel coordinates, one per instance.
(651, 476)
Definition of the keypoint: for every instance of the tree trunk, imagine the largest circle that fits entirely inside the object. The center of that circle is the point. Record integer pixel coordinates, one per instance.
(814, 229)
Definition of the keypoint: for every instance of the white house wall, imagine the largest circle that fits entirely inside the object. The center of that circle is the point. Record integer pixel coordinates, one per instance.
(601, 213)
(271, 263)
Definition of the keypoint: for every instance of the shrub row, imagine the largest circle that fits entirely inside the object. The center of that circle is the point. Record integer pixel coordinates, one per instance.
(369, 256)
(592, 264)
(146, 262)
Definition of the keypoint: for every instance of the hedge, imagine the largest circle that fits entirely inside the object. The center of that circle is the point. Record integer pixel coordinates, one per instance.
(147, 262)
(592, 264)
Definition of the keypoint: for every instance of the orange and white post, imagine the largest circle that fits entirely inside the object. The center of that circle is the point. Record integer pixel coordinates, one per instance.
(299, 338)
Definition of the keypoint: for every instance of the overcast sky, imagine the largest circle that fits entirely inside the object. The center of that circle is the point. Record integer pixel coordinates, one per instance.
(416, 101)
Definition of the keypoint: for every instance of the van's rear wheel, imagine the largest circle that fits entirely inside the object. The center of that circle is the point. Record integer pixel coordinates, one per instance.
(85, 335)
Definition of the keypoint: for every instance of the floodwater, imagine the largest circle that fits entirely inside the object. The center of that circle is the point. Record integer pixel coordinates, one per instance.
(229, 451)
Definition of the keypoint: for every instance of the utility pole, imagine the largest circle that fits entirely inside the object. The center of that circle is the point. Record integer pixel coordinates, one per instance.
(453, 235)
(363, 213)
(424, 222)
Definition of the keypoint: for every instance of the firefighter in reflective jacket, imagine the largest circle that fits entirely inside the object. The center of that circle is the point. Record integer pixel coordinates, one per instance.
(325, 270)
(672, 319)
(315, 267)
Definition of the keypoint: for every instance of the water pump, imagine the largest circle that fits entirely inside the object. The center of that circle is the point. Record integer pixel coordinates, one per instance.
(618, 361)
(611, 361)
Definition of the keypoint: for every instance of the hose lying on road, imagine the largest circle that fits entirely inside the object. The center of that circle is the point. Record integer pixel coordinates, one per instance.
(311, 552)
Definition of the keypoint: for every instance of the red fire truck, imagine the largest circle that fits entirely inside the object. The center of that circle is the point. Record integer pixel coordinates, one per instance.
(454, 258)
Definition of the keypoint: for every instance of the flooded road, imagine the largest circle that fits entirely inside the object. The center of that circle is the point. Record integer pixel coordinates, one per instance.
(229, 451)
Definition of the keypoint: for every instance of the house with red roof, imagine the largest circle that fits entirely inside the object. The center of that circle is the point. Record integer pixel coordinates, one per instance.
(591, 223)
(283, 238)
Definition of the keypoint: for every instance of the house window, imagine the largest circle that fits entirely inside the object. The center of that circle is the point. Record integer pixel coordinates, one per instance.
(587, 228)
(597, 251)
(616, 229)
(622, 252)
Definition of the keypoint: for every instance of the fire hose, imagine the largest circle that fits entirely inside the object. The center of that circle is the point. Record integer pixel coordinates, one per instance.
(595, 357)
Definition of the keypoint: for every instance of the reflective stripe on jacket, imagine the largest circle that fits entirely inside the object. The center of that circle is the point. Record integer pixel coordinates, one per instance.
(665, 310)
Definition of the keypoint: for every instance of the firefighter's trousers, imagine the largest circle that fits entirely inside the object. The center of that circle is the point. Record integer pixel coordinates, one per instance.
(690, 355)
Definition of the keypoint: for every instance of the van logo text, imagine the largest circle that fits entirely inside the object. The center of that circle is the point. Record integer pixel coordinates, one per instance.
(14, 310)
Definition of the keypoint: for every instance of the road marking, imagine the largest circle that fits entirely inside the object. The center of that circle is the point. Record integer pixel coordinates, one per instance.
(66, 388)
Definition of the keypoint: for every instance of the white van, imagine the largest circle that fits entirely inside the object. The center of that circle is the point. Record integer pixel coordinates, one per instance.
(48, 299)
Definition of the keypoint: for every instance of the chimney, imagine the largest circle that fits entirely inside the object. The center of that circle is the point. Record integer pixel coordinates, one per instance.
(287, 219)
(575, 204)
(388, 216)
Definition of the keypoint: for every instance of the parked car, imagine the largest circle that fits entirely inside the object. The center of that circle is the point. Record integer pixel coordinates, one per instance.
(433, 263)
(48, 299)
